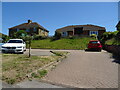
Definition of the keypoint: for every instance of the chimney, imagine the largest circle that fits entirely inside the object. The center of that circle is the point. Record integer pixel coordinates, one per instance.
(29, 21)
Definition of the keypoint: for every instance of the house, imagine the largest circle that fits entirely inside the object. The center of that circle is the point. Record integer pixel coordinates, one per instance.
(30, 27)
(118, 26)
(81, 30)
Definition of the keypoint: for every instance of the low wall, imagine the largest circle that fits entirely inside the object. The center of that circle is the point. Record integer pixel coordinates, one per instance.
(115, 49)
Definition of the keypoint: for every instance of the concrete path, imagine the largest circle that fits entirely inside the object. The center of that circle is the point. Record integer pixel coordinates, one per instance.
(30, 84)
(39, 52)
(36, 84)
(85, 70)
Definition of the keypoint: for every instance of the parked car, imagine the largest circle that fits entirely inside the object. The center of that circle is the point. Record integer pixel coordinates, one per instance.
(94, 45)
(14, 46)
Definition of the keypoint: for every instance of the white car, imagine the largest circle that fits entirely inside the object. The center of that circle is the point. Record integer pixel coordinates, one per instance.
(14, 46)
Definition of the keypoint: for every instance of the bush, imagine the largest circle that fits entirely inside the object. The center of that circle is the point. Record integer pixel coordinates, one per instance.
(11, 81)
(57, 36)
(42, 72)
(5, 38)
(93, 35)
(38, 37)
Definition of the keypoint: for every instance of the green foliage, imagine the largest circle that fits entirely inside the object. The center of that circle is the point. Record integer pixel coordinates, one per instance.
(5, 38)
(34, 75)
(57, 36)
(108, 35)
(42, 72)
(19, 34)
(10, 81)
(38, 37)
(117, 37)
(93, 35)
(111, 38)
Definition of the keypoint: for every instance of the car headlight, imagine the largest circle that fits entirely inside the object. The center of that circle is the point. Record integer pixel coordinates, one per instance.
(19, 47)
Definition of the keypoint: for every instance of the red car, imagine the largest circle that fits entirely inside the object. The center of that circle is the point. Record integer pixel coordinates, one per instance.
(95, 45)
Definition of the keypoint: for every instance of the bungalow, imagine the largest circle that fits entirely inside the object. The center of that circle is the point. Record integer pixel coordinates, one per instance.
(30, 27)
(81, 30)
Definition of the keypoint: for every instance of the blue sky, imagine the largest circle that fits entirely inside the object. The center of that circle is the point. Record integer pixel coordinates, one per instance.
(54, 15)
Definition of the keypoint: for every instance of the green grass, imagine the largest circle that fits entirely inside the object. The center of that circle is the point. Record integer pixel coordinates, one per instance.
(79, 43)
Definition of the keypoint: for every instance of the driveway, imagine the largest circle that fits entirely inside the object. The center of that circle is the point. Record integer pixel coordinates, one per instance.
(85, 70)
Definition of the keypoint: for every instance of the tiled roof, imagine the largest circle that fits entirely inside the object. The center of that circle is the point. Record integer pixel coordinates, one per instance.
(32, 24)
(85, 27)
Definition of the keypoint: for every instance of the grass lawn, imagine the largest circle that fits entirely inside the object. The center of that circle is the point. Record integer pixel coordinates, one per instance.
(15, 67)
(79, 43)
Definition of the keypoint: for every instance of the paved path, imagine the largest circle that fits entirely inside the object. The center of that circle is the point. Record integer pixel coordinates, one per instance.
(85, 70)
(36, 84)
(39, 52)
(30, 84)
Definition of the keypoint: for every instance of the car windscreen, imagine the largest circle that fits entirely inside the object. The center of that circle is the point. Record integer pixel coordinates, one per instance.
(94, 42)
(15, 41)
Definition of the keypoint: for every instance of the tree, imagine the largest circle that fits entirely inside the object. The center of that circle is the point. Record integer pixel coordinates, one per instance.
(5, 38)
(19, 34)
(117, 37)
(28, 40)
(106, 36)
(57, 36)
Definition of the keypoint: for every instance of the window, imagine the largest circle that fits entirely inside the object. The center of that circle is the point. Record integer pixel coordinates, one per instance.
(64, 33)
(15, 41)
(94, 42)
(35, 29)
(93, 32)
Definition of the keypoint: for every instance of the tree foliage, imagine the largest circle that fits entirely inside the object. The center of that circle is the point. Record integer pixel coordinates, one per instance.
(5, 38)
(19, 34)
(109, 35)
(57, 36)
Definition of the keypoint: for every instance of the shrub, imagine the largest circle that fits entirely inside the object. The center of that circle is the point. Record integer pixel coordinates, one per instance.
(57, 36)
(11, 81)
(5, 38)
(93, 35)
(42, 72)
(34, 75)
(38, 37)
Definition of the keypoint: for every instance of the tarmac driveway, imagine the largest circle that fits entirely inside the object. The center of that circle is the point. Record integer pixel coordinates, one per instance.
(85, 70)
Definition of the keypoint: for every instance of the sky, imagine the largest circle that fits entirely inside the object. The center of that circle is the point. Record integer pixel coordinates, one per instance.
(54, 15)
